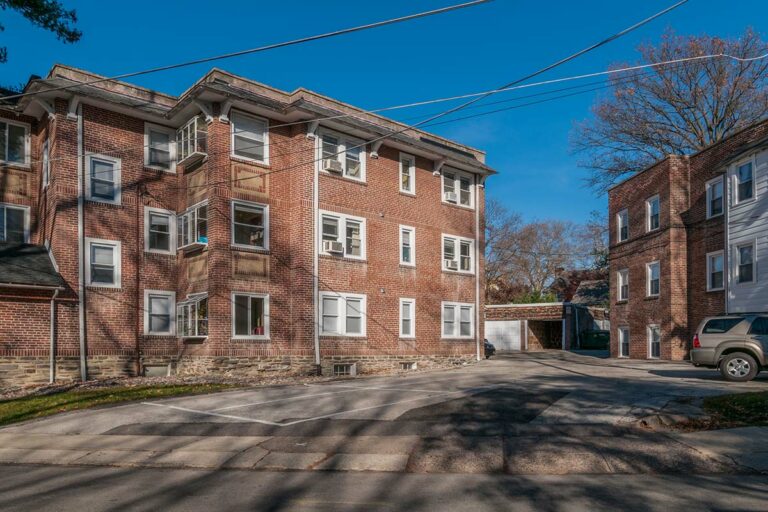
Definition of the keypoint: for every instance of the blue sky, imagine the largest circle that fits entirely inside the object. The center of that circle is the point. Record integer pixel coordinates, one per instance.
(465, 51)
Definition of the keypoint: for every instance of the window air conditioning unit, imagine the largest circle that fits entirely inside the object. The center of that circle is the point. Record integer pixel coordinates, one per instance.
(333, 246)
(452, 264)
(332, 165)
(451, 197)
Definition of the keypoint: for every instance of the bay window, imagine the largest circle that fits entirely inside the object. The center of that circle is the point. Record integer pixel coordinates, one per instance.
(192, 316)
(192, 226)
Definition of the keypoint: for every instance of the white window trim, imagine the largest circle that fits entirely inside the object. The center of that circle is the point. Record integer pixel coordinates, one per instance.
(171, 226)
(620, 282)
(342, 218)
(118, 179)
(342, 318)
(649, 339)
(27, 143)
(621, 330)
(457, 317)
(457, 251)
(648, 202)
(171, 132)
(708, 196)
(265, 336)
(412, 231)
(118, 253)
(345, 141)
(735, 180)
(26, 210)
(648, 279)
(709, 270)
(619, 225)
(249, 204)
(737, 261)
(412, 168)
(147, 325)
(232, 131)
(456, 188)
(412, 306)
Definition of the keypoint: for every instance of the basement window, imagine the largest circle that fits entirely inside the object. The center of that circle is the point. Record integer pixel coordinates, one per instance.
(344, 370)
(408, 366)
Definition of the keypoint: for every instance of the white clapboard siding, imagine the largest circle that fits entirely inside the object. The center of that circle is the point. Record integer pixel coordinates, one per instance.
(748, 222)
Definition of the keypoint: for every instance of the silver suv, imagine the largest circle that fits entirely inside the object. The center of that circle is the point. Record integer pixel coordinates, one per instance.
(735, 344)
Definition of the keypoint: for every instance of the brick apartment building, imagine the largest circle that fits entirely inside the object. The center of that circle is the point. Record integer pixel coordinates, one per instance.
(236, 228)
(689, 239)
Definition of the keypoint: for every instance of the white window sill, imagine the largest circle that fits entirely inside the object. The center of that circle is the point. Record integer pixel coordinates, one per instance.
(407, 337)
(249, 248)
(715, 289)
(343, 176)
(246, 160)
(343, 257)
(172, 170)
(161, 334)
(338, 335)
(159, 252)
(458, 272)
(715, 216)
(409, 194)
(250, 338)
(103, 201)
(455, 338)
(457, 205)
(408, 265)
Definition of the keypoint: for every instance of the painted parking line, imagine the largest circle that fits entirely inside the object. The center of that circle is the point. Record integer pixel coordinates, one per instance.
(286, 399)
(323, 416)
(207, 413)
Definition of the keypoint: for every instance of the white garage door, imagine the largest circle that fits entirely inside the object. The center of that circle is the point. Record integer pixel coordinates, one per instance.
(504, 334)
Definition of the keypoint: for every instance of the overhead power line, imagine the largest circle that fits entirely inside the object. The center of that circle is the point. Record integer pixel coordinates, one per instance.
(258, 49)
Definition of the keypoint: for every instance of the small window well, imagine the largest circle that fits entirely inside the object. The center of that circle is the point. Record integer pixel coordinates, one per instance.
(408, 366)
(344, 370)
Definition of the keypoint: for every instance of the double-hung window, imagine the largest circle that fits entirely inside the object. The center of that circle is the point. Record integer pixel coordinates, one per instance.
(158, 312)
(715, 272)
(407, 245)
(103, 263)
(103, 179)
(14, 223)
(458, 320)
(159, 229)
(622, 283)
(745, 183)
(654, 341)
(159, 147)
(14, 142)
(623, 341)
(46, 167)
(192, 226)
(250, 316)
(715, 197)
(407, 173)
(745, 263)
(342, 235)
(622, 225)
(250, 137)
(652, 271)
(250, 225)
(458, 254)
(652, 207)
(342, 154)
(342, 314)
(458, 188)
(407, 318)
(192, 316)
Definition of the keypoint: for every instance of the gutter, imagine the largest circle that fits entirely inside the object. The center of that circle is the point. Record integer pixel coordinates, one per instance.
(315, 260)
(81, 245)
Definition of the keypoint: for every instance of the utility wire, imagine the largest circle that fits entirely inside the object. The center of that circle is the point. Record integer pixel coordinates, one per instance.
(258, 49)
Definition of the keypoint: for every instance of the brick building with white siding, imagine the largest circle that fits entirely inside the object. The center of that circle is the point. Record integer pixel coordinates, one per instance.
(688, 239)
(236, 228)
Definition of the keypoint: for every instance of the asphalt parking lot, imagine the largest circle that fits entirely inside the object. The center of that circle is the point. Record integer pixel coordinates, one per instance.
(545, 413)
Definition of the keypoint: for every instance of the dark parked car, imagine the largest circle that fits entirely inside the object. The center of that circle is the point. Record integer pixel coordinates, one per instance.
(489, 349)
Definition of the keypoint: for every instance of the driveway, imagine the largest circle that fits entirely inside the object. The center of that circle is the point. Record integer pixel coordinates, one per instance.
(539, 413)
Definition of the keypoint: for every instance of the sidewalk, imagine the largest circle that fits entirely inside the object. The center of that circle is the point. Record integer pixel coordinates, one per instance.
(747, 447)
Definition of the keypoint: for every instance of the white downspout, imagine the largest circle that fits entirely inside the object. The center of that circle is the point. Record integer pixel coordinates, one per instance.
(52, 362)
(478, 237)
(727, 247)
(81, 245)
(315, 258)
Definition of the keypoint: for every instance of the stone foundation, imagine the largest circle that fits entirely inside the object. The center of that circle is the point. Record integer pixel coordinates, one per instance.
(29, 370)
